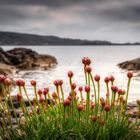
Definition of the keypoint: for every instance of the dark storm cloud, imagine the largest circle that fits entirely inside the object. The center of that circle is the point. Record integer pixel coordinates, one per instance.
(73, 18)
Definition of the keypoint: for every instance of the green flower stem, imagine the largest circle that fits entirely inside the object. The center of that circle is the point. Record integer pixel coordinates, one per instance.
(7, 106)
(12, 106)
(127, 92)
(49, 97)
(85, 74)
(62, 92)
(28, 99)
(81, 96)
(94, 88)
(23, 103)
(107, 88)
(46, 101)
(88, 104)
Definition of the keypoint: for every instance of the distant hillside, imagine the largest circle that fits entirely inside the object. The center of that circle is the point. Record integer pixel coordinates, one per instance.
(10, 38)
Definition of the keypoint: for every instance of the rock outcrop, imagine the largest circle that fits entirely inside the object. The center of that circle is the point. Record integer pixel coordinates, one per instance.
(131, 64)
(23, 59)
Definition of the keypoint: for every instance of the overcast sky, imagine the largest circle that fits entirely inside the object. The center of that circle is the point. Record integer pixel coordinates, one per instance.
(112, 20)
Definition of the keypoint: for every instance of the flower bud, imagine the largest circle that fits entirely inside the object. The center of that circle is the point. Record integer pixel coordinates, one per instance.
(2, 78)
(60, 82)
(80, 88)
(41, 99)
(70, 74)
(20, 82)
(45, 91)
(40, 92)
(114, 88)
(94, 118)
(66, 102)
(111, 78)
(56, 83)
(86, 61)
(121, 92)
(107, 79)
(87, 88)
(88, 69)
(97, 78)
(130, 74)
(54, 95)
(7, 81)
(19, 97)
(107, 107)
(80, 107)
(33, 82)
(73, 86)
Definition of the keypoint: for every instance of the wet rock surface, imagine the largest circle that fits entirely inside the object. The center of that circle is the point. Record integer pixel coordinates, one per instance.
(131, 64)
(23, 59)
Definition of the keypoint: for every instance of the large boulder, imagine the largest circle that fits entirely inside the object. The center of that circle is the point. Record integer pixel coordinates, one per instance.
(24, 59)
(131, 64)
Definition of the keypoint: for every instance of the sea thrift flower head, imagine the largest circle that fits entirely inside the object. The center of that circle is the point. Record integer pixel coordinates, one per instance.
(87, 88)
(66, 102)
(70, 74)
(130, 74)
(54, 95)
(94, 118)
(88, 69)
(69, 98)
(2, 78)
(121, 92)
(33, 82)
(112, 78)
(80, 88)
(7, 81)
(45, 91)
(41, 99)
(114, 88)
(56, 82)
(107, 107)
(97, 78)
(73, 86)
(86, 61)
(60, 82)
(20, 82)
(40, 92)
(19, 97)
(80, 107)
(103, 103)
(107, 79)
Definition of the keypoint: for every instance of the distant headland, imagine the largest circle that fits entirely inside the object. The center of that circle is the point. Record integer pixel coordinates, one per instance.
(13, 38)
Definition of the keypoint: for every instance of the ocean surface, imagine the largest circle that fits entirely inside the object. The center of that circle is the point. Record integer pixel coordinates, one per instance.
(104, 62)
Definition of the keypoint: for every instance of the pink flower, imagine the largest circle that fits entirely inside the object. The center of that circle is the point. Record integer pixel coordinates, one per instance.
(33, 82)
(80, 88)
(107, 107)
(45, 91)
(70, 74)
(40, 92)
(88, 69)
(107, 79)
(86, 61)
(130, 74)
(87, 88)
(66, 102)
(80, 107)
(97, 78)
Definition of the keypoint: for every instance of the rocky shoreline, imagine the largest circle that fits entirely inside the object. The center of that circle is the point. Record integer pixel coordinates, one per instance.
(133, 65)
(18, 59)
